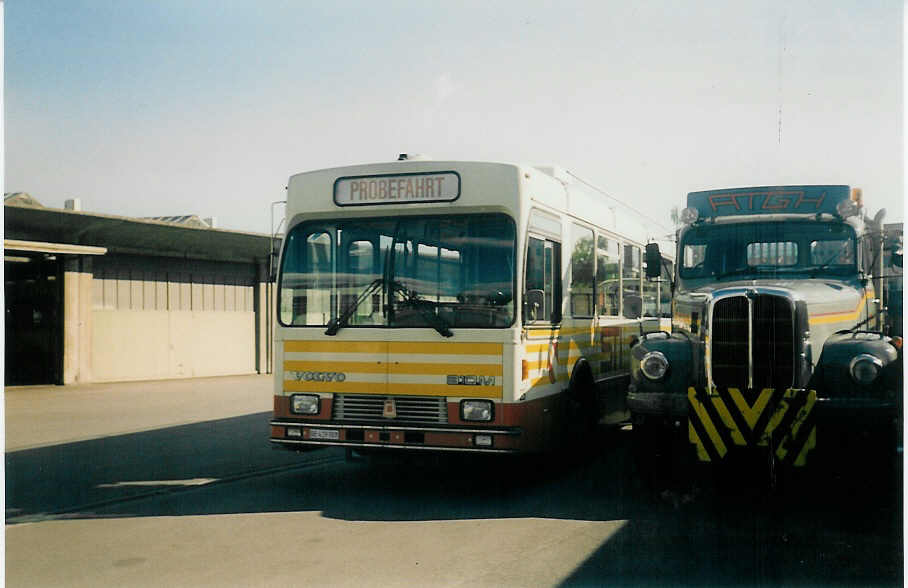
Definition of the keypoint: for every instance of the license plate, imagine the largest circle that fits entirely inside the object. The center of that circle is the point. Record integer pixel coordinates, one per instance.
(327, 434)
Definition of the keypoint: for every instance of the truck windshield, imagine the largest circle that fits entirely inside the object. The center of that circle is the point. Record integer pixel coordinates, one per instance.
(435, 272)
(764, 249)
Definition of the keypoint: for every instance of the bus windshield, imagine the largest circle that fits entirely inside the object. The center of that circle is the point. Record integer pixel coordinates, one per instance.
(757, 250)
(435, 272)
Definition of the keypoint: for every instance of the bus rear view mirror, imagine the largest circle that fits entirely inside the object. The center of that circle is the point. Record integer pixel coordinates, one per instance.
(653, 261)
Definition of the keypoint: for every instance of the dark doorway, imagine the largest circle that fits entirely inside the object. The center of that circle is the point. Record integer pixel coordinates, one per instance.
(34, 318)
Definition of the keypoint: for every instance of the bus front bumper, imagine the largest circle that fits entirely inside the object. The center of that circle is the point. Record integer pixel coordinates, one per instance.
(296, 435)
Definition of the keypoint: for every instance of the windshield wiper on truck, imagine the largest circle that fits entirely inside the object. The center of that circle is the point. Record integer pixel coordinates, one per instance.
(340, 322)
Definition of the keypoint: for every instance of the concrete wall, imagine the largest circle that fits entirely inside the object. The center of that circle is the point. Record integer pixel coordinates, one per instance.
(160, 344)
(158, 318)
(77, 323)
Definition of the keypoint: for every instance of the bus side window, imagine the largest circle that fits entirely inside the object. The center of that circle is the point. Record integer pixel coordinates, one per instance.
(608, 282)
(582, 257)
(542, 291)
(633, 299)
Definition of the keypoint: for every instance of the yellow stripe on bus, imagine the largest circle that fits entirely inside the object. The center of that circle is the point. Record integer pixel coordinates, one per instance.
(356, 367)
(537, 348)
(542, 332)
(384, 347)
(379, 347)
(374, 367)
(394, 389)
(472, 369)
(436, 348)
(535, 365)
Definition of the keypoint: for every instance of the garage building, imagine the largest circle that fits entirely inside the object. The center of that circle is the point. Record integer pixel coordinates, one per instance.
(98, 298)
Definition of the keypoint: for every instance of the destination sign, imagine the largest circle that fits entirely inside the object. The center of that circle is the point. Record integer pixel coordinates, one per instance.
(397, 189)
(768, 200)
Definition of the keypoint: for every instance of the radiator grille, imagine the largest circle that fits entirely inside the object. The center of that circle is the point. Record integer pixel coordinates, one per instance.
(370, 407)
(763, 321)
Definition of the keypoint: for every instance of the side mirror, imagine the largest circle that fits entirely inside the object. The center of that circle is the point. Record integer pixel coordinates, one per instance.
(896, 258)
(653, 261)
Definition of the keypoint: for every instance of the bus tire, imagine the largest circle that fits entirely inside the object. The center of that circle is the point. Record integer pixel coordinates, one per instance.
(582, 412)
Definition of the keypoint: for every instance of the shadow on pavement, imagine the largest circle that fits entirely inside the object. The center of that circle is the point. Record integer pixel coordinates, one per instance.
(59, 477)
(837, 528)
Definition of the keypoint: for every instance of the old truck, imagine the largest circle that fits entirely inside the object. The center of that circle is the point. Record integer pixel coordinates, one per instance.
(779, 343)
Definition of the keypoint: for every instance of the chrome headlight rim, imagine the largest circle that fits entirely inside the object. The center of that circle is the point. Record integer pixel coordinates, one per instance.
(471, 404)
(317, 406)
(858, 361)
(654, 365)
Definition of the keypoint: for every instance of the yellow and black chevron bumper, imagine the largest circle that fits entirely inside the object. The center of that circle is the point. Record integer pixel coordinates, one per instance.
(723, 421)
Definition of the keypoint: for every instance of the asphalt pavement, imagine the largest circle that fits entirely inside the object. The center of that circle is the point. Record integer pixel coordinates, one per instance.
(41, 416)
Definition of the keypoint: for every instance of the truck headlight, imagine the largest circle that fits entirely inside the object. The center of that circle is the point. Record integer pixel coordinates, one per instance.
(304, 404)
(654, 365)
(476, 410)
(865, 368)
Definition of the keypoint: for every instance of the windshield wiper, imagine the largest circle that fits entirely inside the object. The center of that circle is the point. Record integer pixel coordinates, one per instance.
(813, 271)
(412, 299)
(341, 321)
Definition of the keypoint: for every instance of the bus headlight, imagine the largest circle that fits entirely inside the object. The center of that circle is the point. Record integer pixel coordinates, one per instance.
(865, 368)
(654, 365)
(304, 404)
(476, 410)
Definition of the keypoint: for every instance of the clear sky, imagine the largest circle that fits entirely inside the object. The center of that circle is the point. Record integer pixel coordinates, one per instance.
(165, 107)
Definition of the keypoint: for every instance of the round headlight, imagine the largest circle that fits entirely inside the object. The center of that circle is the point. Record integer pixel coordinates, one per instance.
(865, 368)
(654, 365)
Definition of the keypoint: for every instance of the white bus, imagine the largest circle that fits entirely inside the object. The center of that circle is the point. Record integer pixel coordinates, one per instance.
(460, 306)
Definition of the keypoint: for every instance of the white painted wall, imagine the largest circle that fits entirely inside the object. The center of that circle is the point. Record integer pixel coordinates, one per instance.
(161, 344)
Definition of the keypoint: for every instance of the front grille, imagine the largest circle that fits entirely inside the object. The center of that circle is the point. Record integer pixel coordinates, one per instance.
(753, 341)
(410, 409)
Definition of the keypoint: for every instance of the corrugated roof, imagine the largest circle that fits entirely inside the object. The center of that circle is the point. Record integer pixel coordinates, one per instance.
(133, 235)
(21, 199)
(189, 220)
